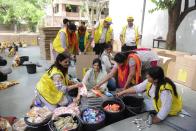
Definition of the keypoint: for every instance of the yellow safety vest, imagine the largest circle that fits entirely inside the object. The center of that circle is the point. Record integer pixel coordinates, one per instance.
(57, 42)
(47, 88)
(98, 33)
(85, 40)
(176, 106)
(136, 34)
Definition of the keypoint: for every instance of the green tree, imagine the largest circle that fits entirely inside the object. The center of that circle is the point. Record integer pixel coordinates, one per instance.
(22, 12)
(176, 14)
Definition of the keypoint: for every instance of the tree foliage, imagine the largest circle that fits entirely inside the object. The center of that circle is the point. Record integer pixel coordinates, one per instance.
(22, 12)
(163, 4)
(176, 14)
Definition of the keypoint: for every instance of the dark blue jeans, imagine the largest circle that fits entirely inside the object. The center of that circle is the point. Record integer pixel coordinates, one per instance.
(112, 86)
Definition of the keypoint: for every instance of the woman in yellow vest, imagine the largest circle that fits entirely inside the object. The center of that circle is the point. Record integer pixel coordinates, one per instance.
(161, 91)
(52, 89)
(83, 39)
(127, 69)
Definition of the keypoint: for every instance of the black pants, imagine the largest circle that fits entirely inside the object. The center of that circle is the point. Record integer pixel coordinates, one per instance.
(125, 48)
(99, 48)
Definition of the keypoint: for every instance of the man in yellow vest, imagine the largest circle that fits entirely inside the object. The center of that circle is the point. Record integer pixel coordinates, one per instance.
(60, 38)
(129, 36)
(103, 34)
(71, 42)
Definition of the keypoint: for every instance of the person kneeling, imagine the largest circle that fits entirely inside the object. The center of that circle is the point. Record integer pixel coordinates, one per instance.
(162, 92)
(53, 87)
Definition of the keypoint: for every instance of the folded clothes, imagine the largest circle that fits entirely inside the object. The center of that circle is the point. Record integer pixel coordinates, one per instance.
(73, 109)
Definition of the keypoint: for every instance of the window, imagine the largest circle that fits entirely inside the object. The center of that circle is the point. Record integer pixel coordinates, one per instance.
(94, 11)
(89, 10)
(102, 12)
(71, 8)
(56, 8)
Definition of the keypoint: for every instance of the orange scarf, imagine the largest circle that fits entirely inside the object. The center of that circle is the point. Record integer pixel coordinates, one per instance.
(123, 71)
(73, 42)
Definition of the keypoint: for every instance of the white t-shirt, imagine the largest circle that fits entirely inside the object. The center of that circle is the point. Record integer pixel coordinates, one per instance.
(130, 36)
(106, 61)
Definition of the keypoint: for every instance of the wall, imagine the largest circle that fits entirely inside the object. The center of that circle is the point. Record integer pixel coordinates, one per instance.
(30, 39)
(47, 35)
(186, 34)
(6, 28)
(155, 24)
(120, 9)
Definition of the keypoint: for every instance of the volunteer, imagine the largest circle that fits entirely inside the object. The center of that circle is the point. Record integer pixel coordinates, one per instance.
(83, 39)
(60, 38)
(127, 68)
(67, 42)
(162, 91)
(129, 36)
(52, 89)
(103, 34)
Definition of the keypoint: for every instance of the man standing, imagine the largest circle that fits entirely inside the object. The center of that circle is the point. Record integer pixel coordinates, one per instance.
(129, 36)
(60, 40)
(103, 34)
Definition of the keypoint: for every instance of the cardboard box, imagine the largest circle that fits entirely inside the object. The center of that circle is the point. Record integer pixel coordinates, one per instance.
(163, 54)
(194, 56)
(190, 56)
(158, 51)
(185, 71)
(167, 63)
(83, 62)
(169, 53)
(170, 69)
(179, 66)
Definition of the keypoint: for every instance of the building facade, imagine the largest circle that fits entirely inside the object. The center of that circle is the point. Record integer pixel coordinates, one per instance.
(74, 10)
